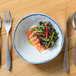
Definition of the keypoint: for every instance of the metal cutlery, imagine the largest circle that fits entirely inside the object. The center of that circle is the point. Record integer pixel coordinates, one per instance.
(0, 22)
(66, 60)
(74, 26)
(8, 25)
(0, 41)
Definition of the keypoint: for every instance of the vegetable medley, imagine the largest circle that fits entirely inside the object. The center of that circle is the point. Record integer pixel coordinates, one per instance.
(46, 34)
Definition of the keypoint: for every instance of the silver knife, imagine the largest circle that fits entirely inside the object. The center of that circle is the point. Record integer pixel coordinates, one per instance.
(66, 59)
(0, 22)
(0, 42)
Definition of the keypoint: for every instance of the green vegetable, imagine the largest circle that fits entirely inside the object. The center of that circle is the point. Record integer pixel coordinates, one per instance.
(46, 22)
(39, 27)
(44, 39)
(48, 27)
(50, 40)
(38, 30)
(42, 24)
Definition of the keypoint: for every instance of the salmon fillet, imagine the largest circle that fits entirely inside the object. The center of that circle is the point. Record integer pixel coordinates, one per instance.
(34, 39)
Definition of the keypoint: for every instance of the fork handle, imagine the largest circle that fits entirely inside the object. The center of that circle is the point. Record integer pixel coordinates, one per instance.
(8, 60)
(74, 55)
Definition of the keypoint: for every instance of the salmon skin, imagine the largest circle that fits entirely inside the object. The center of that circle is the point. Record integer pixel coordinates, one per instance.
(31, 34)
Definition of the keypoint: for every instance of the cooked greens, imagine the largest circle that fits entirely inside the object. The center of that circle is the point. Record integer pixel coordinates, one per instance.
(46, 33)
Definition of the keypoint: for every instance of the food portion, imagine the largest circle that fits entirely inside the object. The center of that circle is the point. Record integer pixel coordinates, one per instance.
(42, 35)
(31, 34)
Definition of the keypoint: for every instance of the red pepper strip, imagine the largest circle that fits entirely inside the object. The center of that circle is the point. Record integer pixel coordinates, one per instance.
(46, 30)
(49, 36)
(43, 34)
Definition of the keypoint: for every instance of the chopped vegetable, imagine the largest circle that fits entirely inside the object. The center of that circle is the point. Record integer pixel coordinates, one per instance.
(42, 34)
(46, 34)
(50, 40)
(46, 31)
(38, 30)
(44, 39)
(50, 36)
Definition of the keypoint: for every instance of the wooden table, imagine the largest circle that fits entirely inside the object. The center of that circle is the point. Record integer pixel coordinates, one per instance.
(53, 8)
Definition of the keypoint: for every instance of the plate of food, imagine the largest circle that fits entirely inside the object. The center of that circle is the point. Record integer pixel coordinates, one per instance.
(38, 38)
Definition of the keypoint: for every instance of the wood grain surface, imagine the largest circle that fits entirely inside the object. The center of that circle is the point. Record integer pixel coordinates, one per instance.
(21, 8)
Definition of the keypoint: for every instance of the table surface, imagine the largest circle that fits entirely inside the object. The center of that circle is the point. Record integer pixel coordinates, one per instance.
(53, 8)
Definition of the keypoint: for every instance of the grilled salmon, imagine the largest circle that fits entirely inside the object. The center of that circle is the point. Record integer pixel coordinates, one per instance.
(35, 40)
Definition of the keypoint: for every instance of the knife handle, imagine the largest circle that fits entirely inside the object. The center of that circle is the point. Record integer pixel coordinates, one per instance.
(66, 59)
(74, 55)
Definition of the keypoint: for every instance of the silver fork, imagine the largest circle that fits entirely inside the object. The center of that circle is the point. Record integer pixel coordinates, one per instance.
(8, 24)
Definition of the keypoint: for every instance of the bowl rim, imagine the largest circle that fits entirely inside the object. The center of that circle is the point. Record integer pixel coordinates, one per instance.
(34, 14)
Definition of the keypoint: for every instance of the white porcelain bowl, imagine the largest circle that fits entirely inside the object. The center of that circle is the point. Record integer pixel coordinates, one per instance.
(30, 53)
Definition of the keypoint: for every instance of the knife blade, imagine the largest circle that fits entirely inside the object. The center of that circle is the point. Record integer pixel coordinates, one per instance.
(66, 59)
